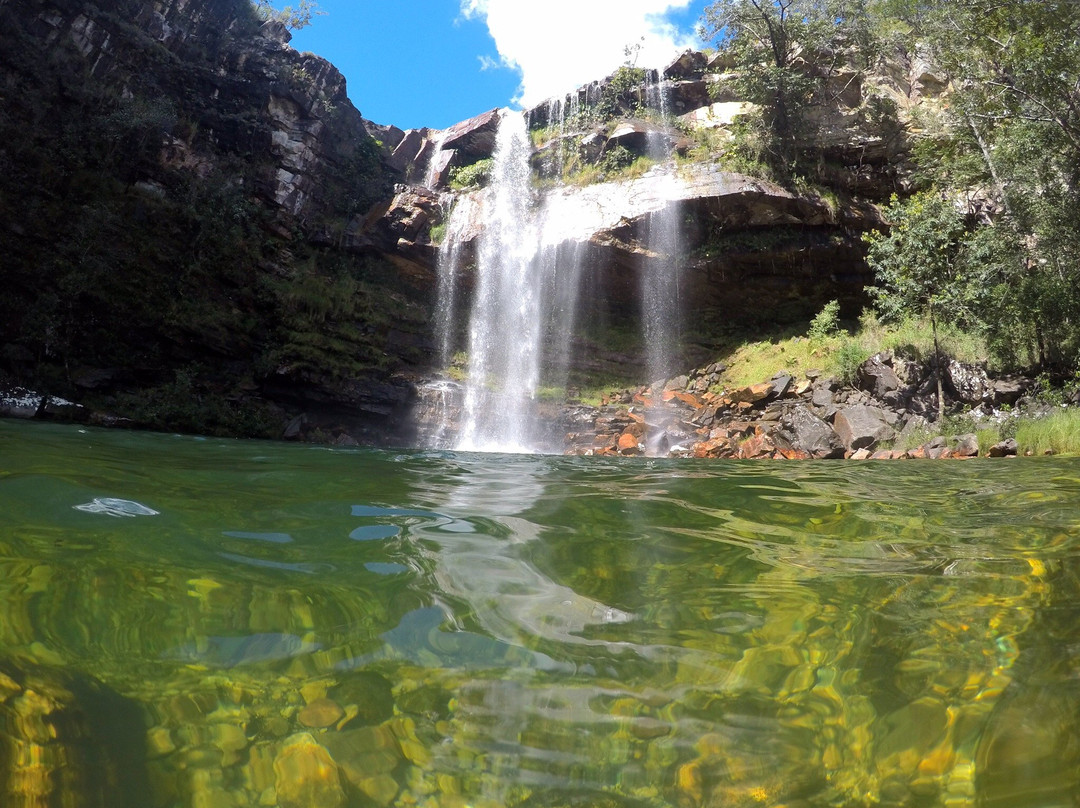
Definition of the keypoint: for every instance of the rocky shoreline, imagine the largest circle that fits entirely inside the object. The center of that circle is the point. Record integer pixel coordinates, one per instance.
(890, 401)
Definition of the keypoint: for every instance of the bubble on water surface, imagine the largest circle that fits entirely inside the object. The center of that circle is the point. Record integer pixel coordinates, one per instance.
(115, 507)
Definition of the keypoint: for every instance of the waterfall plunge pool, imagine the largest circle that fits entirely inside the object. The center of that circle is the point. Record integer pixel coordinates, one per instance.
(195, 622)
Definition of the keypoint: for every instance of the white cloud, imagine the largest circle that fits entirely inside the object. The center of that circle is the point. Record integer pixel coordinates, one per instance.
(559, 45)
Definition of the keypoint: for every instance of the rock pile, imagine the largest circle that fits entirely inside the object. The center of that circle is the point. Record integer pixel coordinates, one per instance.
(890, 400)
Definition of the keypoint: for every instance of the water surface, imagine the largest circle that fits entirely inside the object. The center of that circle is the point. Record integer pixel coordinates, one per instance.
(294, 625)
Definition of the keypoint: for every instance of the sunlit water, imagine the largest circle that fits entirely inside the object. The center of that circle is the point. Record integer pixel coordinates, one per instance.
(286, 626)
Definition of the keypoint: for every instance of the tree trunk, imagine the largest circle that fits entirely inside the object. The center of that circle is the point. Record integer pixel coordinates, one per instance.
(937, 367)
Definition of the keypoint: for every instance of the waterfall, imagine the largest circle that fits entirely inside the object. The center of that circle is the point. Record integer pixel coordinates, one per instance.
(524, 301)
(504, 330)
(660, 277)
(523, 271)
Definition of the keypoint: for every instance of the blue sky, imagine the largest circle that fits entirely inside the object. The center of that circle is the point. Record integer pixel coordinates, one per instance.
(436, 62)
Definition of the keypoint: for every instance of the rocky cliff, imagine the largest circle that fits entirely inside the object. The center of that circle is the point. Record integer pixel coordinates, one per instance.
(175, 182)
(759, 254)
(201, 232)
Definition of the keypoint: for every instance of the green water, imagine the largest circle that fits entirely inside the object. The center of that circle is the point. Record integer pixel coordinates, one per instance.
(244, 624)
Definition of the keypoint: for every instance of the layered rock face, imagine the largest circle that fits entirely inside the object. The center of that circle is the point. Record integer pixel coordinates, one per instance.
(743, 238)
(220, 231)
(175, 182)
(249, 93)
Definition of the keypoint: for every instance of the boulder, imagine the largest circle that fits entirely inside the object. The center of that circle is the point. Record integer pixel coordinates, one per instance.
(408, 149)
(807, 432)
(684, 96)
(68, 740)
(1008, 389)
(862, 427)
(751, 394)
(688, 64)
(18, 402)
(877, 377)
(474, 139)
(1005, 448)
(822, 396)
(967, 446)
(968, 383)
(306, 775)
(634, 135)
(781, 385)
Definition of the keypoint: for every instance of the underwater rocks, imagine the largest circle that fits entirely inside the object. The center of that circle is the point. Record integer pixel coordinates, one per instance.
(67, 739)
(891, 401)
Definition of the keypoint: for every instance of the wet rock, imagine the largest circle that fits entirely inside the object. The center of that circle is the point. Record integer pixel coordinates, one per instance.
(1005, 448)
(634, 135)
(68, 740)
(811, 434)
(305, 775)
(628, 444)
(320, 713)
(862, 427)
(370, 693)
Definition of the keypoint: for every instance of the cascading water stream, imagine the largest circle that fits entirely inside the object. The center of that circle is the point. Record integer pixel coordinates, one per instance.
(504, 329)
(660, 274)
(530, 251)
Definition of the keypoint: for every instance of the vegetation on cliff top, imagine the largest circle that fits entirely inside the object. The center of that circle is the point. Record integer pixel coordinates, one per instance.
(990, 240)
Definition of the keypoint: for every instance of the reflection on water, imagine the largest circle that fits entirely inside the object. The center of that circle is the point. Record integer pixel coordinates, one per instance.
(296, 626)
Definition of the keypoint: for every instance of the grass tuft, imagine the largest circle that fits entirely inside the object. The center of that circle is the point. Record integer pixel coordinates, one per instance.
(1058, 433)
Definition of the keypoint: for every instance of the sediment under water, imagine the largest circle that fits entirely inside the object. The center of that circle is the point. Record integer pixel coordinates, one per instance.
(195, 622)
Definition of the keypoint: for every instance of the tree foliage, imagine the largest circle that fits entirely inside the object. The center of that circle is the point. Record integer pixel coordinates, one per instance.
(294, 17)
(1011, 134)
(785, 51)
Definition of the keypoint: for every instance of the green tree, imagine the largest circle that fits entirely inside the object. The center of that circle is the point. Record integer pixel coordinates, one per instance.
(1014, 130)
(785, 51)
(294, 18)
(921, 268)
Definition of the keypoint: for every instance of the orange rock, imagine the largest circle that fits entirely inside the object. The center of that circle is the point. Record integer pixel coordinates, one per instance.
(756, 446)
(627, 443)
(753, 393)
(667, 395)
(687, 398)
(794, 454)
(320, 713)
